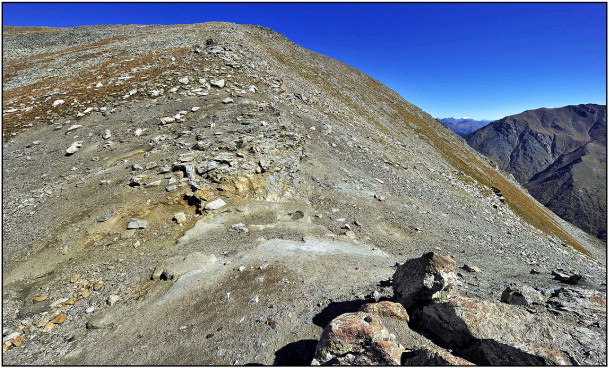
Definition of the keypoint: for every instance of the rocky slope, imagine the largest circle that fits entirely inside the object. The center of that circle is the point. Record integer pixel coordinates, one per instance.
(464, 126)
(215, 194)
(559, 155)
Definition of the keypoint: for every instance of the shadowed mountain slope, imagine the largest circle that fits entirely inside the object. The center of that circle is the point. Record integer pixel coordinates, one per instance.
(559, 155)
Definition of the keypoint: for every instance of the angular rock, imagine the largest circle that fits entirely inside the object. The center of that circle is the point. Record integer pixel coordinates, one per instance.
(174, 267)
(137, 224)
(112, 299)
(521, 295)
(214, 205)
(107, 134)
(167, 120)
(180, 217)
(386, 309)
(218, 83)
(357, 339)
(562, 275)
(420, 279)
(74, 147)
(74, 127)
(469, 268)
(227, 100)
(184, 80)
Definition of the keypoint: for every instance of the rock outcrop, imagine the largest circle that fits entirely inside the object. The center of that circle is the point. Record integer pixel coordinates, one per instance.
(465, 330)
(419, 280)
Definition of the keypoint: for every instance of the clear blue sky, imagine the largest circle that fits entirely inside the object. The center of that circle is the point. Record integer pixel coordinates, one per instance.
(484, 61)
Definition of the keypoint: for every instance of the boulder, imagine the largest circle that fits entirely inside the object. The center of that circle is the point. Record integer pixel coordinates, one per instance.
(174, 267)
(490, 333)
(386, 309)
(357, 339)
(420, 279)
(521, 295)
(568, 278)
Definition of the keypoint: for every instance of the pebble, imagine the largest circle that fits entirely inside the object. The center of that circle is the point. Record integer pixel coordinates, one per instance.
(155, 183)
(74, 147)
(350, 234)
(105, 217)
(240, 227)
(98, 285)
(137, 224)
(227, 100)
(57, 102)
(75, 278)
(61, 318)
(58, 302)
(169, 188)
(90, 310)
(225, 297)
(196, 108)
(254, 300)
(218, 83)
(39, 299)
(184, 80)
(469, 268)
(112, 299)
(107, 134)
(241, 268)
(180, 217)
(74, 127)
(138, 132)
(167, 120)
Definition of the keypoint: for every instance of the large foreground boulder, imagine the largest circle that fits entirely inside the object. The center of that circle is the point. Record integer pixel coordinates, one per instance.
(491, 333)
(357, 339)
(421, 279)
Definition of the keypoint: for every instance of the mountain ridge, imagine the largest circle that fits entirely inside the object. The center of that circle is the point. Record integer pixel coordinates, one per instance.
(215, 194)
(546, 142)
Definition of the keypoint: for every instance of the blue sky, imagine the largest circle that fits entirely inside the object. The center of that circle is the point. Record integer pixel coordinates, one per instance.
(484, 61)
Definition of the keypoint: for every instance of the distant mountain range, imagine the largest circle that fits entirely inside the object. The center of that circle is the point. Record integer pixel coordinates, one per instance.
(559, 155)
(464, 126)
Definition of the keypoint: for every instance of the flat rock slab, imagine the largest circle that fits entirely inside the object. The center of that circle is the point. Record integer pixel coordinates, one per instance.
(492, 333)
(174, 267)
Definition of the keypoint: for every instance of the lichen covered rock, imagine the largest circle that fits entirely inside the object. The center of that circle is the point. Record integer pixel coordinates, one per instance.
(357, 339)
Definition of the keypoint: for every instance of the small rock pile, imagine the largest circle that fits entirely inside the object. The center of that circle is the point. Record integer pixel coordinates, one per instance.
(462, 330)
